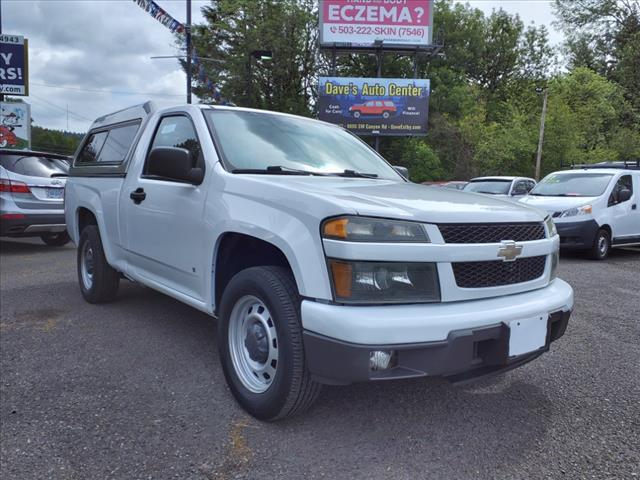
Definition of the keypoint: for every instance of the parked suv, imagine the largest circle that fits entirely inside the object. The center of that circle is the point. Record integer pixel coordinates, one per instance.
(31, 195)
(594, 207)
(374, 107)
(322, 264)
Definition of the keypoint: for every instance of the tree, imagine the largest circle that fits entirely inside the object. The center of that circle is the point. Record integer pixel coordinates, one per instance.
(237, 28)
(604, 35)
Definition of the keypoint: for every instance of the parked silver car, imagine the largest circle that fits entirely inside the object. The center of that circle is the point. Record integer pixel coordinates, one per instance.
(32, 195)
(506, 187)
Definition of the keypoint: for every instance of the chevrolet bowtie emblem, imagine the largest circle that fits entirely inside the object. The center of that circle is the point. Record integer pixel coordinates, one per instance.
(509, 251)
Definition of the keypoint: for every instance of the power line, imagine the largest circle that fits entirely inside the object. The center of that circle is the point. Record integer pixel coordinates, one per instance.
(113, 92)
(60, 108)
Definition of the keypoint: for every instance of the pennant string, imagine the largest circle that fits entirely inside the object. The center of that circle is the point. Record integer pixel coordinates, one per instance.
(153, 9)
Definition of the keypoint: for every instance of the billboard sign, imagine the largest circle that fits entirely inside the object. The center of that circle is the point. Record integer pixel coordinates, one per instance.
(375, 106)
(14, 79)
(357, 23)
(15, 125)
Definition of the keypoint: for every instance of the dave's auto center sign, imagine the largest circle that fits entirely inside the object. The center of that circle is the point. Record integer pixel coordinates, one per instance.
(375, 106)
(362, 23)
(14, 79)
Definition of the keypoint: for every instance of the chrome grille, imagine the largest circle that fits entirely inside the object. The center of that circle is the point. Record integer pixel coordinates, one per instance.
(491, 232)
(495, 273)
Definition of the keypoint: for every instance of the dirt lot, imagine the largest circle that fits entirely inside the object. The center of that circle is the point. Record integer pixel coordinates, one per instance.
(134, 390)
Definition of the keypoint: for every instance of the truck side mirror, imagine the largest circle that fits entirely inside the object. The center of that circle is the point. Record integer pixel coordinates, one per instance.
(624, 195)
(402, 171)
(174, 163)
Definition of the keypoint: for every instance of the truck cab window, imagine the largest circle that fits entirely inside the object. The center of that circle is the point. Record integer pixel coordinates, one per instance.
(178, 131)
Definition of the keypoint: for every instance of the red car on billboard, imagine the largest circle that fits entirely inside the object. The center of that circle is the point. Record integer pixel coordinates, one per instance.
(373, 107)
(7, 137)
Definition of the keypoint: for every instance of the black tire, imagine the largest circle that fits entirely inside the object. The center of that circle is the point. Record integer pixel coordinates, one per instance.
(356, 114)
(601, 245)
(104, 279)
(385, 115)
(291, 390)
(56, 239)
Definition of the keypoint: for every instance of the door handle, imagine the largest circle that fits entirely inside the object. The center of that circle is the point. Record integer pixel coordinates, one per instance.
(634, 206)
(138, 195)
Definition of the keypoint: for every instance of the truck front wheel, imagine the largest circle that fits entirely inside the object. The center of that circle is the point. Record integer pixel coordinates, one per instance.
(98, 280)
(260, 344)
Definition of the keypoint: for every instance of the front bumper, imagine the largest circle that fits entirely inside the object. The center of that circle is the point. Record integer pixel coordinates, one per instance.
(464, 355)
(465, 339)
(31, 225)
(578, 235)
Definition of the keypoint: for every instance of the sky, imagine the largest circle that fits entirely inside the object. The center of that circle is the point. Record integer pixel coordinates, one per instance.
(92, 57)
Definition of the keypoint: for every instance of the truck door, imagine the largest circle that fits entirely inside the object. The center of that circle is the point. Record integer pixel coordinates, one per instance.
(164, 218)
(624, 214)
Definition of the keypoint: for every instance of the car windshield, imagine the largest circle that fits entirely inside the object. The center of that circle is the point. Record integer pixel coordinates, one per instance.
(255, 141)
(572, 185)
(494, 187)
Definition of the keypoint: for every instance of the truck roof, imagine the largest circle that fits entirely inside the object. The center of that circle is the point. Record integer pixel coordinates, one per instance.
(135, 112)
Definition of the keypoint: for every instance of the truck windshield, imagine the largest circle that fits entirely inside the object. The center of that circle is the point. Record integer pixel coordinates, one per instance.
(572, 185)
(494, 187)
(278, 144)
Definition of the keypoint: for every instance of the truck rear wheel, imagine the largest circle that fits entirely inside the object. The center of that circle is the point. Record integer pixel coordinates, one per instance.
(98, 280)
(260, 344)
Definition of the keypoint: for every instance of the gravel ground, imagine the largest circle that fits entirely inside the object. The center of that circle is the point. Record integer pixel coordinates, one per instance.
(134, 390)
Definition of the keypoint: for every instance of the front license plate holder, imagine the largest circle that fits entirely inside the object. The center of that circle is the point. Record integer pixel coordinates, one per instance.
(527, 334)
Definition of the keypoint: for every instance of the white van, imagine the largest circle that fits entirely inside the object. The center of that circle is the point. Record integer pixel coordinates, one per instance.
(594, 208)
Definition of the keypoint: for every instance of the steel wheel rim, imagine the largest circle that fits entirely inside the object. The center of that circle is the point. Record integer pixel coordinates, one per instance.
(253, 344)
(602, 244)
(86, 265)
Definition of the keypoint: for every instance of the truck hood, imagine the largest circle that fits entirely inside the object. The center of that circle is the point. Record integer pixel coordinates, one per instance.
(386, 198)
(556, 204)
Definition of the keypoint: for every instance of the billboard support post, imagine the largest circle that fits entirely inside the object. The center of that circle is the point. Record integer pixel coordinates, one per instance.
(334, 59)
(378, 75)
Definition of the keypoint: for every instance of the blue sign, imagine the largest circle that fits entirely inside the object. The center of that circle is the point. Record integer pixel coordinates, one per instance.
(14, 78)
(375, 106)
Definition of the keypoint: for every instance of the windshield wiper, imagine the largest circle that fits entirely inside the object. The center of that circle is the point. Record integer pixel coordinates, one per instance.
(277, 170)
(354, 174)
(558, 195)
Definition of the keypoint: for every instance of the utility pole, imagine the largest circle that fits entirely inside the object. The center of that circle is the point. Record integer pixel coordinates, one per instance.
(188, 30)
(541, 135)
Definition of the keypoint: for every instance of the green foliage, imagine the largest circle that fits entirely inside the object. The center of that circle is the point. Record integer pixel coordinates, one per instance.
(485, 104)
(55, 141)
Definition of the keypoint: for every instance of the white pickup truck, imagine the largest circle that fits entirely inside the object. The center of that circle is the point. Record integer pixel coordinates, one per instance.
(322, 263)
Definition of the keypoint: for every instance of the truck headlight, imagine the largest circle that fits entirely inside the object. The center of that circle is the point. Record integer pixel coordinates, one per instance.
(551, 227)
(366, 229)
(572, 212)
(384, 282)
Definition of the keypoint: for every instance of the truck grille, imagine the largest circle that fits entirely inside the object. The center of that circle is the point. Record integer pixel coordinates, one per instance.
(497, 273)
(491, 232)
